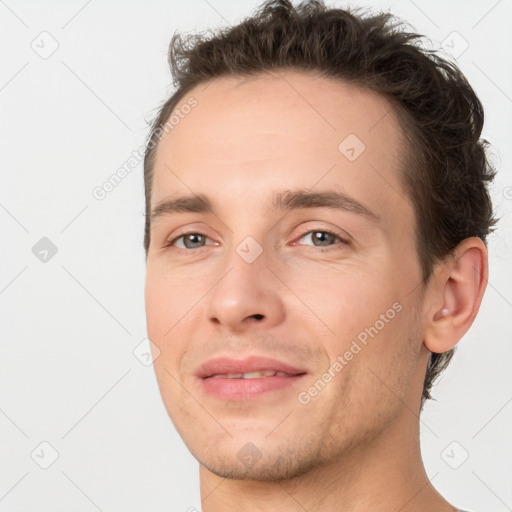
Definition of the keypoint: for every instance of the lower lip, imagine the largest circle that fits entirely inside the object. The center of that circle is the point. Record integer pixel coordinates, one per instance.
(246, 389)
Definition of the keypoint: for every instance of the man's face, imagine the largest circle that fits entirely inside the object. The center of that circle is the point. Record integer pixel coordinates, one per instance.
(251, 281)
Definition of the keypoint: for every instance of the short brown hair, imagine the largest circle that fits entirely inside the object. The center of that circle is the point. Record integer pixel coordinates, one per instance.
(448, 167)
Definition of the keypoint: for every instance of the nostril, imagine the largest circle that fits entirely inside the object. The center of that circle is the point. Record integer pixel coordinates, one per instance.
(257, 316)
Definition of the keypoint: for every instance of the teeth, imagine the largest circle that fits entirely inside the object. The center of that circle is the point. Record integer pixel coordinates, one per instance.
(251, 375)
(255, 375)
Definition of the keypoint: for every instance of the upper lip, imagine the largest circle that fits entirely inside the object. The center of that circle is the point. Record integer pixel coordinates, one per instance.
(227, 365)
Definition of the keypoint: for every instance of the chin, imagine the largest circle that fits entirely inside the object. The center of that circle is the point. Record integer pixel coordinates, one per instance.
(270, 468)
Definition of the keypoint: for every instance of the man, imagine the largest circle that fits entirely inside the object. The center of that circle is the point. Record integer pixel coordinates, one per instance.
(315, 236)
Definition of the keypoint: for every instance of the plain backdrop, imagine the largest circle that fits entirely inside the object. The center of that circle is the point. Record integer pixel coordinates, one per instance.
(82, 424)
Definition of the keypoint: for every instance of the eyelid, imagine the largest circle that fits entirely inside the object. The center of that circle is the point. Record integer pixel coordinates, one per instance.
(343, 237)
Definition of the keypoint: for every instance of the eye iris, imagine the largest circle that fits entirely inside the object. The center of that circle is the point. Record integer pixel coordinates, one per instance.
(195, 236)
(321, 236)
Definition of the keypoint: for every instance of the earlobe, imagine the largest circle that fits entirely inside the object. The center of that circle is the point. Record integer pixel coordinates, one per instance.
(456, 295)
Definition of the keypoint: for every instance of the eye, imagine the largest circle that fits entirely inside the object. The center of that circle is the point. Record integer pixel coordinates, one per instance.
(191, 240)
(323, 238)
(320, 238)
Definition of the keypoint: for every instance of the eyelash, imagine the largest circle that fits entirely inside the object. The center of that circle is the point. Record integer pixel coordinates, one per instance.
(323, 249)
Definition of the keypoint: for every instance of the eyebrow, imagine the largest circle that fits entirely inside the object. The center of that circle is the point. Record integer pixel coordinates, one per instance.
(285, 200)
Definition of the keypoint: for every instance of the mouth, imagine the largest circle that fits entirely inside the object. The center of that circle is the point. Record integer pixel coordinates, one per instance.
(250, 378)
(250, 375)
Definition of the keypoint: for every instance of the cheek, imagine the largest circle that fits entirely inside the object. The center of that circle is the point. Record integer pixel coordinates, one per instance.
(167, 300)
(166, 317)
(390, 355)
(368, 329)
(347, 301)
(376, 378)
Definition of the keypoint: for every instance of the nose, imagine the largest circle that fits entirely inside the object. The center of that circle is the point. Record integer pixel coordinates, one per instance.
(248, 294)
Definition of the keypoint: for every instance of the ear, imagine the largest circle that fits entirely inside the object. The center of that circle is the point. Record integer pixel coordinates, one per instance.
(456, 294)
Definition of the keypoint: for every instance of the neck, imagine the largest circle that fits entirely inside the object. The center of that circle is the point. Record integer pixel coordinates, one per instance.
(386, 475)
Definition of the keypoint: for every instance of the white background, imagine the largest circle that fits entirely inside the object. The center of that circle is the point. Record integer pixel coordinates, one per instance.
(68, 375)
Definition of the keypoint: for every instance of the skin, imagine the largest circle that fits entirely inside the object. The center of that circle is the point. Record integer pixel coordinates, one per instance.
(355, 445)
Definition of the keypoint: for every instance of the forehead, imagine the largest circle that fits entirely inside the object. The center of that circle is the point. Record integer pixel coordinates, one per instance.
(282, 130)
